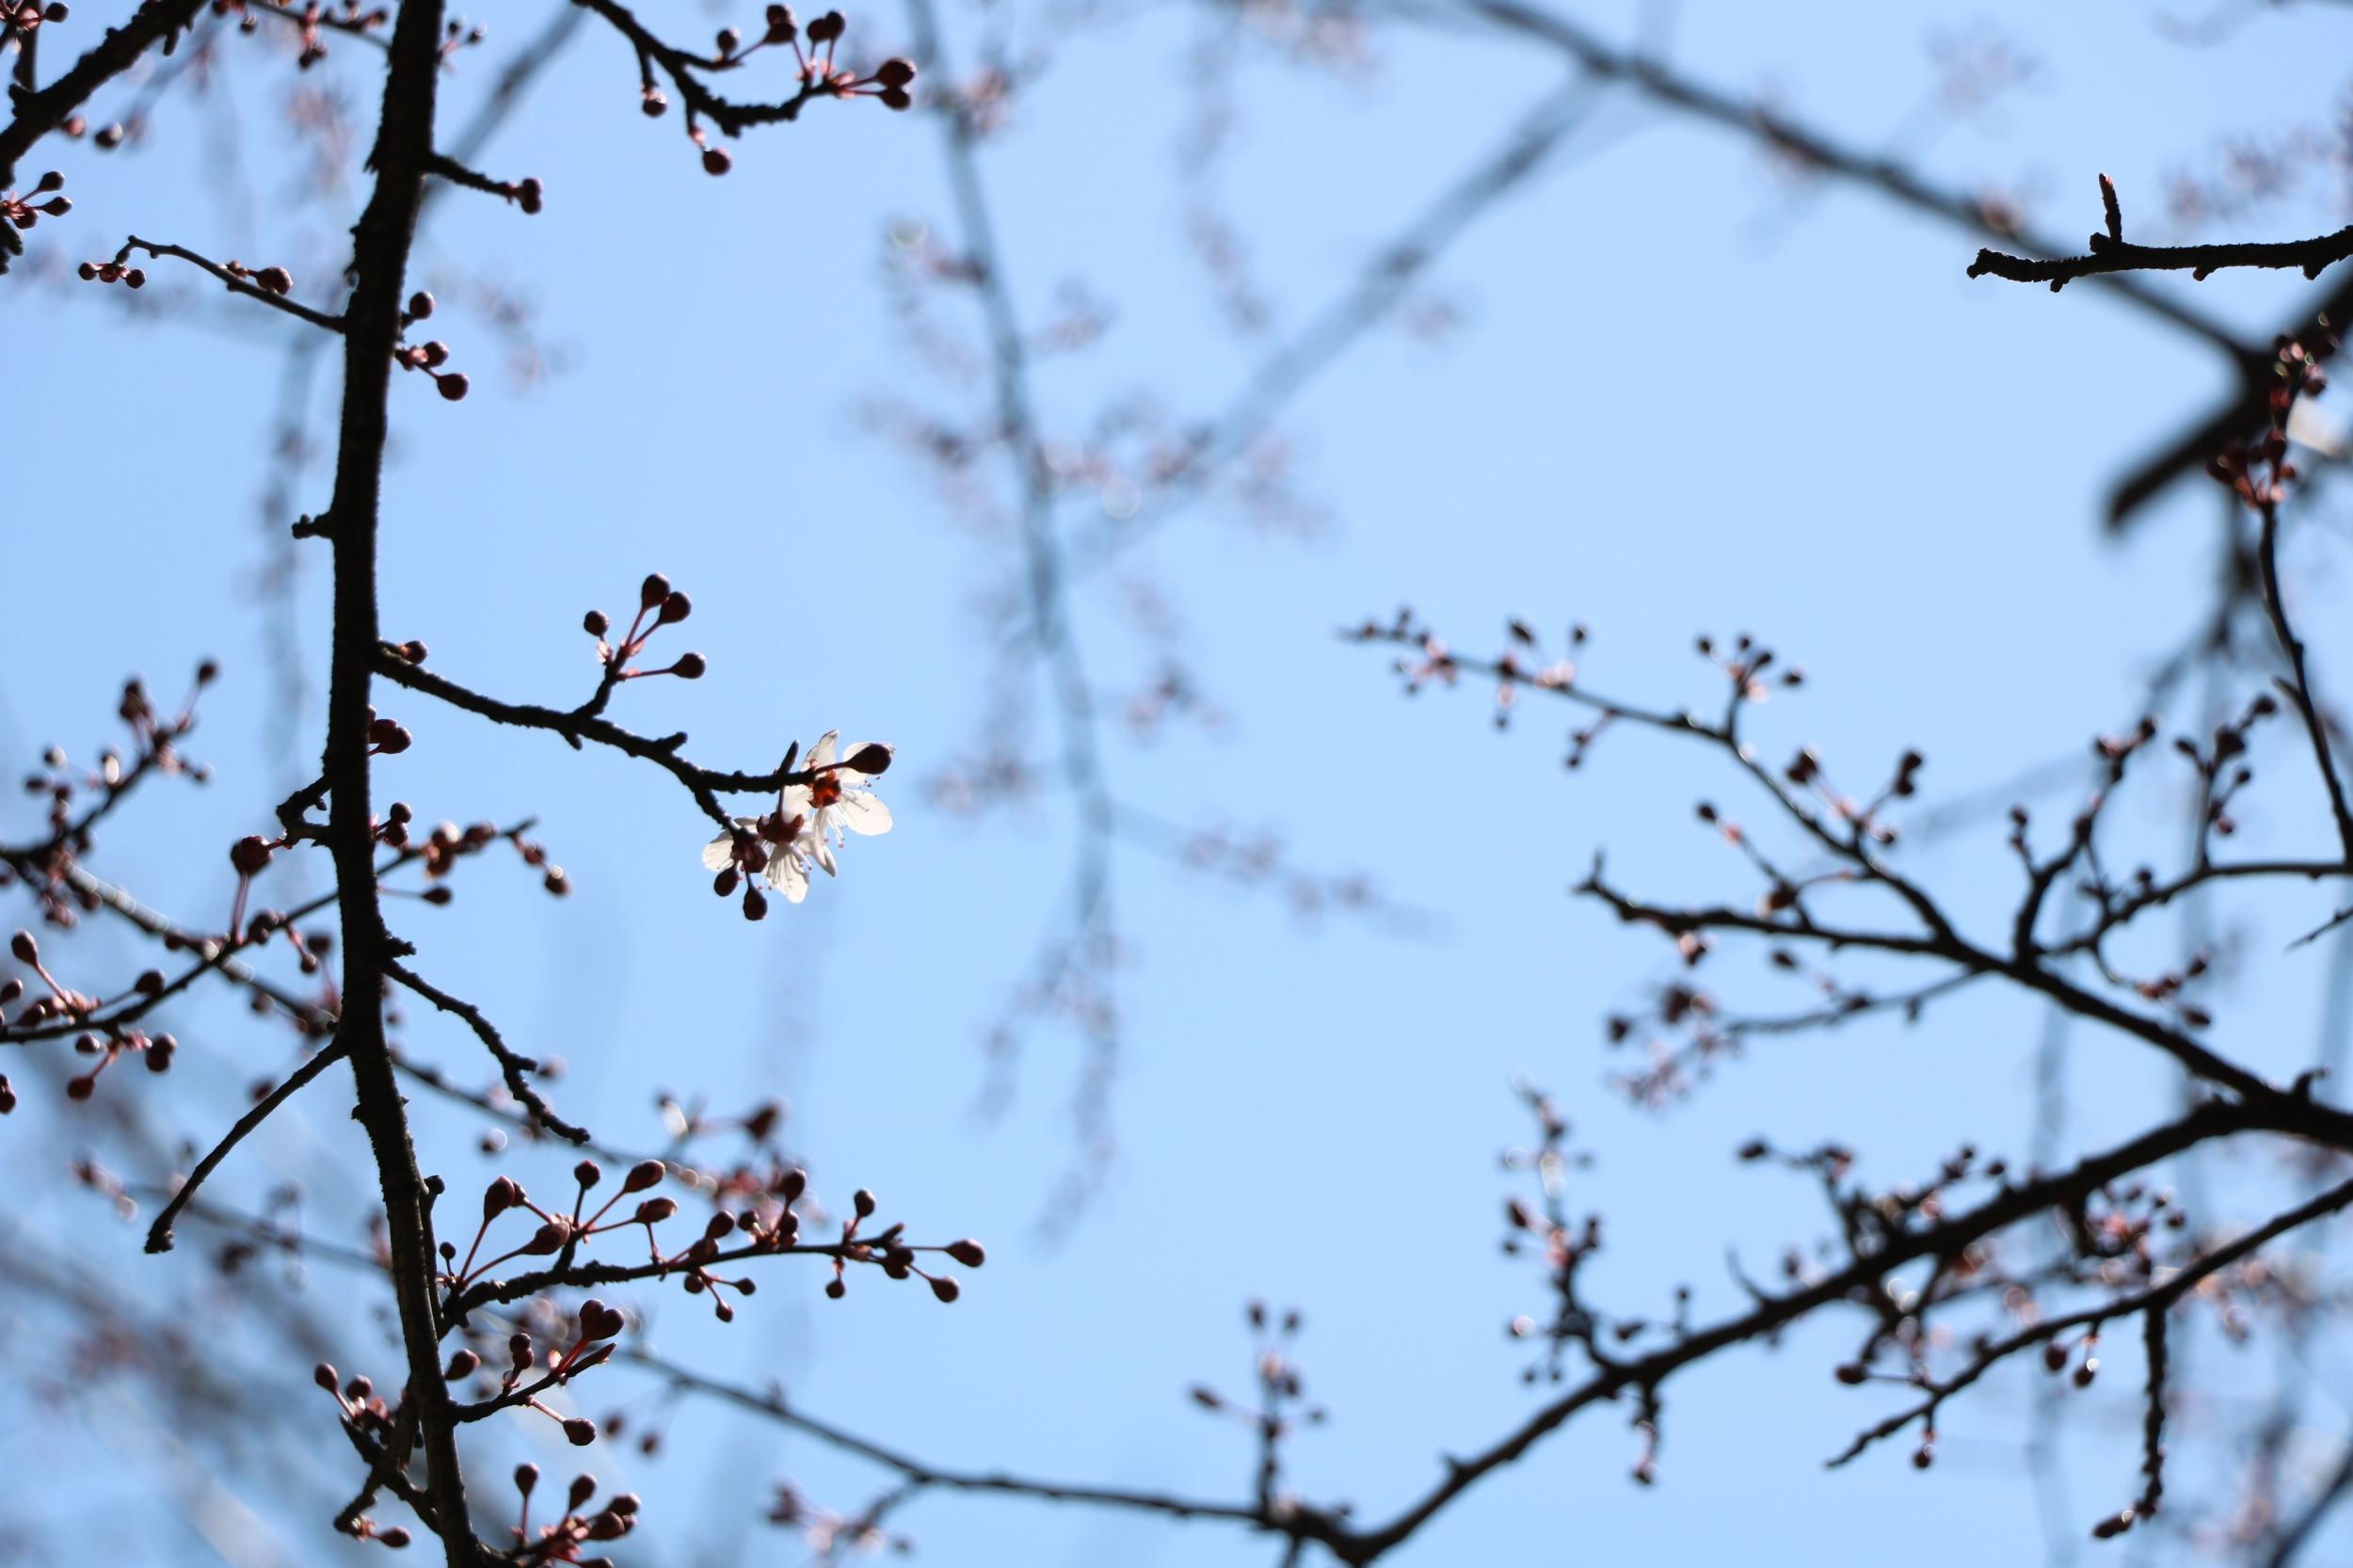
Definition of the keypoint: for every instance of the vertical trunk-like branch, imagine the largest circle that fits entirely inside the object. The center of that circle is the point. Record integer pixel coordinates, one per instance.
(404, 146)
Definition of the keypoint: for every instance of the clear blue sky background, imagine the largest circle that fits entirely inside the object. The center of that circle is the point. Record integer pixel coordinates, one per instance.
(1679, 401)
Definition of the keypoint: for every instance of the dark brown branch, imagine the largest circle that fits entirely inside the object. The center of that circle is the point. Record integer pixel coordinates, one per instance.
(386, 230)
(237, 284)
(685, 69)
(2156, 1301)
(495, 1292)
(1942, 1241)
(515, 1066)
(774, 1407)
(458, 173)
(1946, 1240)
(704, 784)
(159, 1233)
(2309, 256)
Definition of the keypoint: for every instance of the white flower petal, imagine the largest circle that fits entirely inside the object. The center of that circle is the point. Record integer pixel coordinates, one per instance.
(821, 851)
(789, 876)
(861, 812)
(823, 752)
(719, 854)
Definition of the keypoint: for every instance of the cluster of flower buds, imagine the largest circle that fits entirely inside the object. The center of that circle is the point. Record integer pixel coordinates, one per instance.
(448, 844)
(1281, 1388)
(58, 1010)
(25, 18)
(760, 1227)
(563, 1540)
(2260, 473)
(591, 1334)
(1744, 665)
(312, 21)
(365, 1412)
(819, 75)
(156, 748)
(275, 280)
(1545, 1230)
(658, 605)
(26, 210)
(1866, 817)
(2221, 770)
(890, 81)
(430, 358)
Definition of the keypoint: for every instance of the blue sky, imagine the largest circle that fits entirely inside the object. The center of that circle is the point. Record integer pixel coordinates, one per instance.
(1679, 400)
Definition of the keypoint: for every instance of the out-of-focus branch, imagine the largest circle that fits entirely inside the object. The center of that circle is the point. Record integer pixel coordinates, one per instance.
(1814, 149)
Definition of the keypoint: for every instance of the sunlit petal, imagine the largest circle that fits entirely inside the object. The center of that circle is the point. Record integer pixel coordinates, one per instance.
(860, 812)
